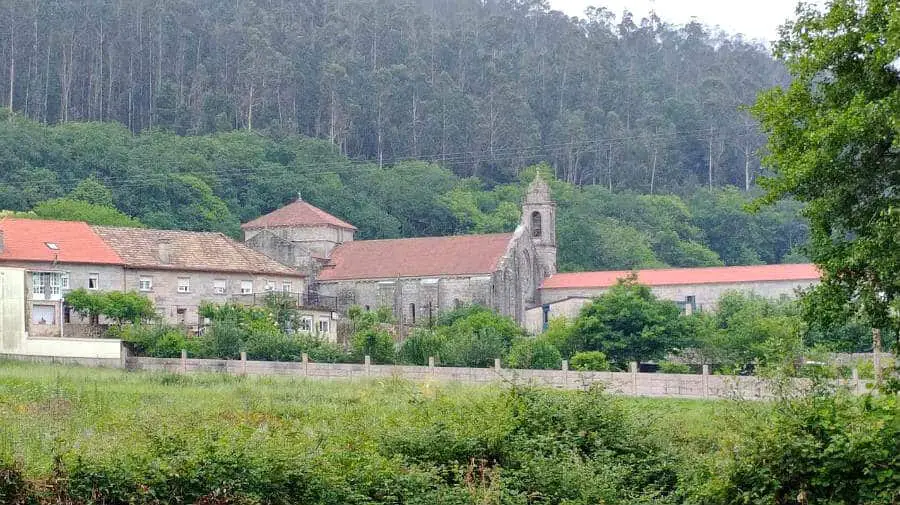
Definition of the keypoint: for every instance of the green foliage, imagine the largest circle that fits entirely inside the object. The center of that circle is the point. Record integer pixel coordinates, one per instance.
(672, 367)
(123, 307)
(377, 344)
(420, 346)
(628, 323)
(64, 209)
(534, 352)
(159, 341)
(833, 141)
(821, 449)
(94, 192)
(589, 361)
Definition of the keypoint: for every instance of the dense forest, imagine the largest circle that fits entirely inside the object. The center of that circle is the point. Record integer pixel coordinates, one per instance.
(101, 172)
(484, 87)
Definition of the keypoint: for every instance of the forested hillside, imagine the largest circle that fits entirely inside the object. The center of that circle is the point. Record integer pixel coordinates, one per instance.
(91, 171)
(485, 87)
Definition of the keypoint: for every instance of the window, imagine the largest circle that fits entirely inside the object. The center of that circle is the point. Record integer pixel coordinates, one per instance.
(93, 281)
(305, 324)
(37, 283)
(64, 280)
(181, 314)
(220, 286)
(43, 314)
(270, 286)
(286, 286)
(48, 284)
(246, 287)
(145, 283)
(54, 284)
(412, 312)
(536, 224)
(53, 246)
(184, 284)
(322, 327)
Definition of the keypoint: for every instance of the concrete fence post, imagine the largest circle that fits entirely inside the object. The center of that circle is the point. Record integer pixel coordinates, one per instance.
(243, 362)
(497, 364)
(368, 363)
(855, 376)
(305, 358)
(431, 365)
(633, 367)
(705, 381)
(183, 361)
(565, 369)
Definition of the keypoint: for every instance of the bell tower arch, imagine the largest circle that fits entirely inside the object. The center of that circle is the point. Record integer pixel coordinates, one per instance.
(539, 218)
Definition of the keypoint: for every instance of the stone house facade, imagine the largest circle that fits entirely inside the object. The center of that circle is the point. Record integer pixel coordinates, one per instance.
(179, 270)
(417, 277)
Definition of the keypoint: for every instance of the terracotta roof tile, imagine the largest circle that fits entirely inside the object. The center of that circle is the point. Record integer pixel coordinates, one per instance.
(298, 213)
(417, 257)
(191, 251)
(676, 276)
(75, 242)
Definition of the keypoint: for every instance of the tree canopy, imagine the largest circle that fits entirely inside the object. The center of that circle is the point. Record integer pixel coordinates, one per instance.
(834, 143)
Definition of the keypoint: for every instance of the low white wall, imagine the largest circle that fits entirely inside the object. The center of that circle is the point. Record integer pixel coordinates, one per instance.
(99, 348)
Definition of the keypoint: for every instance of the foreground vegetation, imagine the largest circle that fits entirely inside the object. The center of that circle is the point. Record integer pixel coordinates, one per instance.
(79, 436)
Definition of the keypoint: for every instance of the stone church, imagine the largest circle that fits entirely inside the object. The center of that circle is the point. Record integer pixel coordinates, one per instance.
(418, 277)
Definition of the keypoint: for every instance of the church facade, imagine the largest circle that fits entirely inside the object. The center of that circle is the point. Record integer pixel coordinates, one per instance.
(418, 277)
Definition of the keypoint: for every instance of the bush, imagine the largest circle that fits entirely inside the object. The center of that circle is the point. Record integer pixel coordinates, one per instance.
(423, 344)
(535, 353)
(474, 349)
(159, 341)
(671, 367)
(124, 308)
(273, 346)
(377, 344)
(223, 339)
(589, 361)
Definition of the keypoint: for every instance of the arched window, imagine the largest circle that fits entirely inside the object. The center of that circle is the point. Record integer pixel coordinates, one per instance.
(536, 224)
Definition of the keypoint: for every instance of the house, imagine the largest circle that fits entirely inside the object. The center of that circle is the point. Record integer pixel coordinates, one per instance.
(177, 270)
(417, 277)
(15, 322)
(564, 294)
(57, 256)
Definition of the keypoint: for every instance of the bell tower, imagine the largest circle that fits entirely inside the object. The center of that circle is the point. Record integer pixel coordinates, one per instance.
(539, 220)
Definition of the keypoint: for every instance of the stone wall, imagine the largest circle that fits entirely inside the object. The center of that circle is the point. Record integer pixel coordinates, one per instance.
(316, 240)
(182, 308)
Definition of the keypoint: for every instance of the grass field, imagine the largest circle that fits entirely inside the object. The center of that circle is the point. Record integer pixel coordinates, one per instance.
(157, 425)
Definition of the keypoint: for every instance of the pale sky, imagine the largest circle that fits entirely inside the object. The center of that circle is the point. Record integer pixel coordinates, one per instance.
(755, 19)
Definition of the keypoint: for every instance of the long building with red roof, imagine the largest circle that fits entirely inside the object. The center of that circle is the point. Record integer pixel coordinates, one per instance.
(564, 294)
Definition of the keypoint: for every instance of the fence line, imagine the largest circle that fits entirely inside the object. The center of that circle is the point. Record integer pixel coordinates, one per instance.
(630, 383)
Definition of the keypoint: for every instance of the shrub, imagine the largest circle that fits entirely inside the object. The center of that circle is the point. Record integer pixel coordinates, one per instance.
(536, 353)
(223, 340)
(14, 489)
(671, 367)
(477, 348)
(158, 341)
(377, 344)
(594, 361)
(273, 346)
(124, 308)
(423, 344)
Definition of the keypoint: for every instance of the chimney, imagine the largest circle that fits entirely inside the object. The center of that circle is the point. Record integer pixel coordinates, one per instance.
(164, 251)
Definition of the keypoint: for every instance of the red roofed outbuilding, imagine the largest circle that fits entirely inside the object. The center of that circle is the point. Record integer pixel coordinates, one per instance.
(563, 294)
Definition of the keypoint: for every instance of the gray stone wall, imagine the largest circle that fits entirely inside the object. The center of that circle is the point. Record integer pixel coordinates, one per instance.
(315, 240)
(182, 308)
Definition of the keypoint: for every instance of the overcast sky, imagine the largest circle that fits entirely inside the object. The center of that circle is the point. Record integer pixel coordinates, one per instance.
(755, 19)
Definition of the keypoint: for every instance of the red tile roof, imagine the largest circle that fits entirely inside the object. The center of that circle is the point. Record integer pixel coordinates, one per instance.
(417, 257)
(676, 276)
(298, 213)
(189, 251)
(76, 242)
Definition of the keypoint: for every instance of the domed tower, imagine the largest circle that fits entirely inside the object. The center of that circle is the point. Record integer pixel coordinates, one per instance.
(539, 218)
